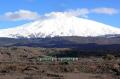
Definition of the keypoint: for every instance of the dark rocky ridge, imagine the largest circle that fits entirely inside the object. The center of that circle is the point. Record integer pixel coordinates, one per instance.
(83, 43)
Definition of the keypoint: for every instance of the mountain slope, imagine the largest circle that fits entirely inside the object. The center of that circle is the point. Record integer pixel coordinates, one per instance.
(60, 25)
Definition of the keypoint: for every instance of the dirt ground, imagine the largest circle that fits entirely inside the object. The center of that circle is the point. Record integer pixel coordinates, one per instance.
(21, 63)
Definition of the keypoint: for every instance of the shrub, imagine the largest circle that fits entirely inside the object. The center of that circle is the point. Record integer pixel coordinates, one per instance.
(109, 57)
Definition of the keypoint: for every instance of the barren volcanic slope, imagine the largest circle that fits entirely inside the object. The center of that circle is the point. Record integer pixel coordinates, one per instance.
(60, 25)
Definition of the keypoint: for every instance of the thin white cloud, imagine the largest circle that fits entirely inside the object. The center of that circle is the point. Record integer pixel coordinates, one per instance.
(68, 13)
(83, 12)
(109, 11)
(80, 12)
(21, 15)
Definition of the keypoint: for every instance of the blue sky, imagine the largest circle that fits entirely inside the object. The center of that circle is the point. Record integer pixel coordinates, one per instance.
(18, 12)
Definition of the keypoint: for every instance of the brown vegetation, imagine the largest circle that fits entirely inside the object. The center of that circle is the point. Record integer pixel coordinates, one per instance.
(21, 63)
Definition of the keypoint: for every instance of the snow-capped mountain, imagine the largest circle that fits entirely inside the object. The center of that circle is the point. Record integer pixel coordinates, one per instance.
(60, 25)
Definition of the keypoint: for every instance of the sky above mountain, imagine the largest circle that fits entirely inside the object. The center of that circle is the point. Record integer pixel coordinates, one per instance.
(18, 12)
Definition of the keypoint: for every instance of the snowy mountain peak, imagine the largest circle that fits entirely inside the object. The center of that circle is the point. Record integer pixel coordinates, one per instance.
(60, 25)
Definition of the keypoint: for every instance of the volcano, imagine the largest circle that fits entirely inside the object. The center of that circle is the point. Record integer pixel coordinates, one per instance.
(60, 25)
